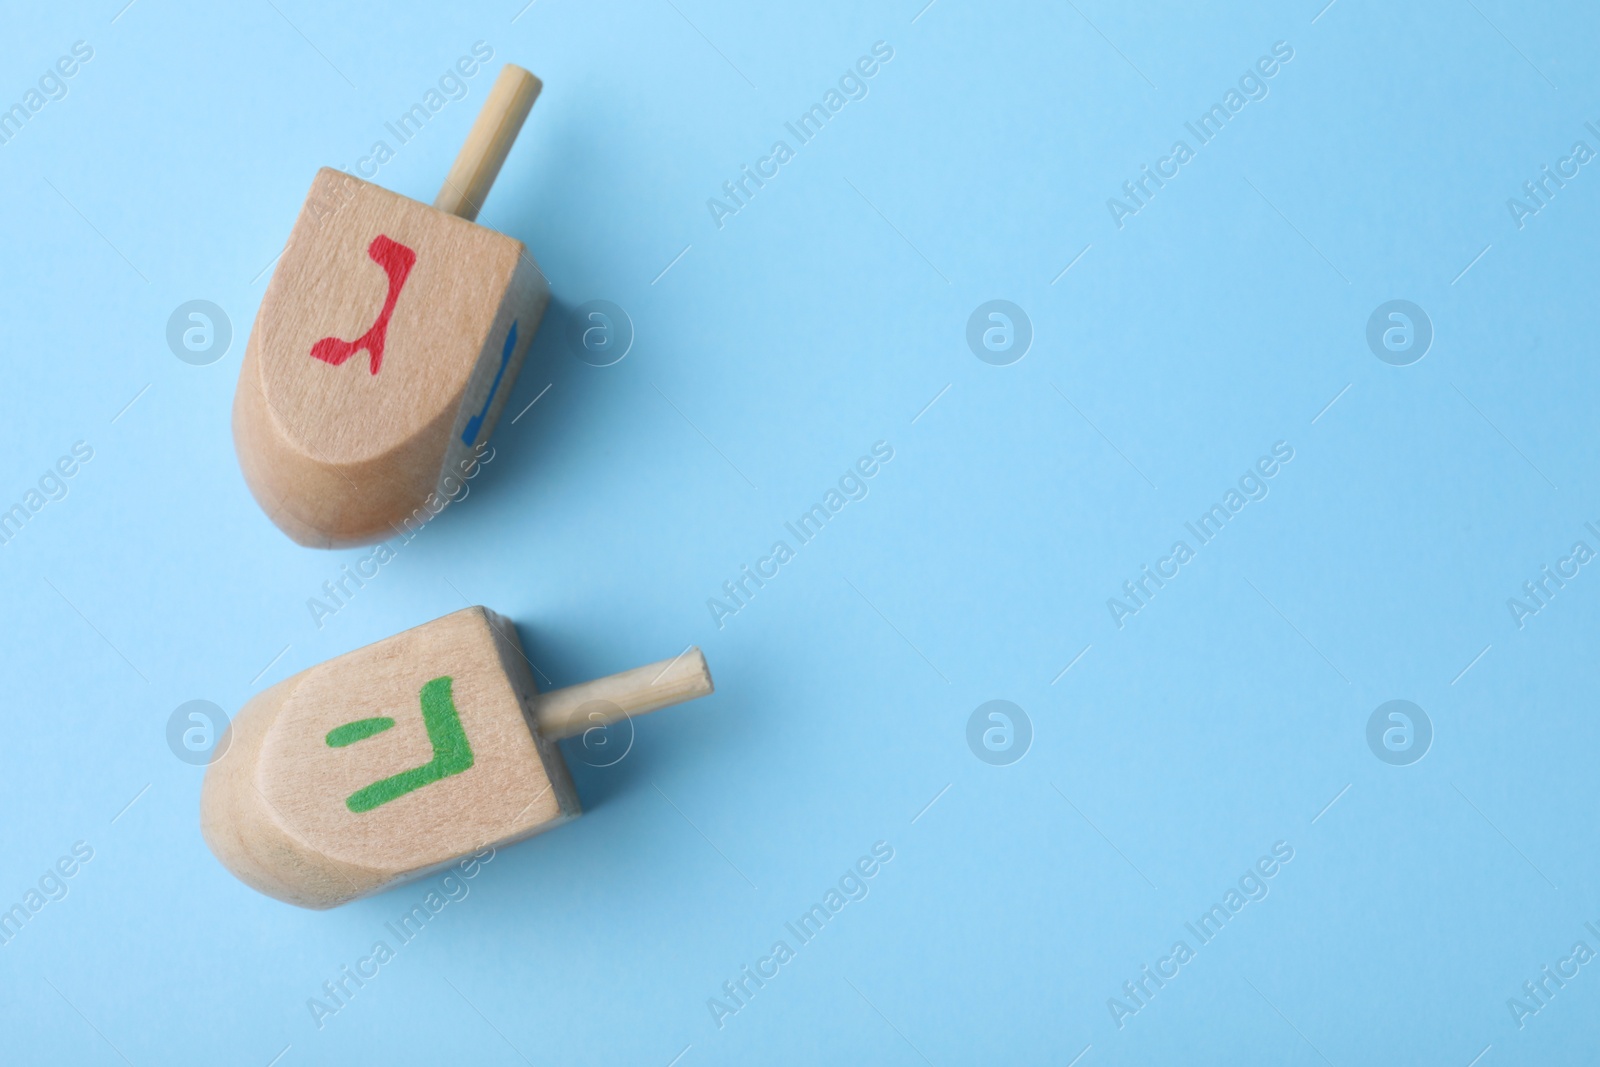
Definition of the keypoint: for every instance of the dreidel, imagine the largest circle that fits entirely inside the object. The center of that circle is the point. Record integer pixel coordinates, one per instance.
(393, 761)
(386, 344)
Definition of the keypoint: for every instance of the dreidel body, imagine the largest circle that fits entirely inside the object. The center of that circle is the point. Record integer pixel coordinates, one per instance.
(393, 761)
(386, 344)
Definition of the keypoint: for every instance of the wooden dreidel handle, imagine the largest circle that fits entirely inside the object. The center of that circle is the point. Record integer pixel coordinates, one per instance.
(579, 708)
(488, 143)
(386, 345)
(393, 761)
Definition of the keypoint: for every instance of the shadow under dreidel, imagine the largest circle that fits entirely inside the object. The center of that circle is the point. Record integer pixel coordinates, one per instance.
(544, 407)
(604, 759)
(605, 762)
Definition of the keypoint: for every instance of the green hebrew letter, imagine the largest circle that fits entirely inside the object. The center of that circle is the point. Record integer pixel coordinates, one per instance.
(451, 753)
(360, 730)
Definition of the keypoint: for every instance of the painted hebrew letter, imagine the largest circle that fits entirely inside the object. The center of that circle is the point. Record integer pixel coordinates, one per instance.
(451, 752)
(396, 260)
(475, 423)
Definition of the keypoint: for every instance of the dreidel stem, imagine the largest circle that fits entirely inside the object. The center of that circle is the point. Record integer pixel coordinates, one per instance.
(570, 711)
(488, 142)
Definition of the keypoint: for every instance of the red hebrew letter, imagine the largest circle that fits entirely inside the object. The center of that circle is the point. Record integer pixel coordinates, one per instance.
(396, 260)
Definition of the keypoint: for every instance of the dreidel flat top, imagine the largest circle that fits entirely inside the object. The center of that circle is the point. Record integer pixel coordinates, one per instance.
(395, 760)
(386, 344)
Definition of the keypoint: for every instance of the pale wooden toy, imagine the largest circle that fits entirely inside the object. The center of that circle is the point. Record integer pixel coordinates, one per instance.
(391, 762)
(386, 344)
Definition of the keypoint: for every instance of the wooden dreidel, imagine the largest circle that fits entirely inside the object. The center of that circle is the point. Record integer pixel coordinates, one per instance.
(386, 344)
(395, 760)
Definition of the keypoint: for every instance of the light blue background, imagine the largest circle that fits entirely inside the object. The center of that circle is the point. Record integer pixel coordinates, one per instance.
(824, 317)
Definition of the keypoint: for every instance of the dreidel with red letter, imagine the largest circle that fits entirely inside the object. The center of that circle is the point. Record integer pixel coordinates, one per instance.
(393, 761)
(386, 344)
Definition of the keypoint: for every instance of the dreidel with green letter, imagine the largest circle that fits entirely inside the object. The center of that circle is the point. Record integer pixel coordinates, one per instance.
(393, 761)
